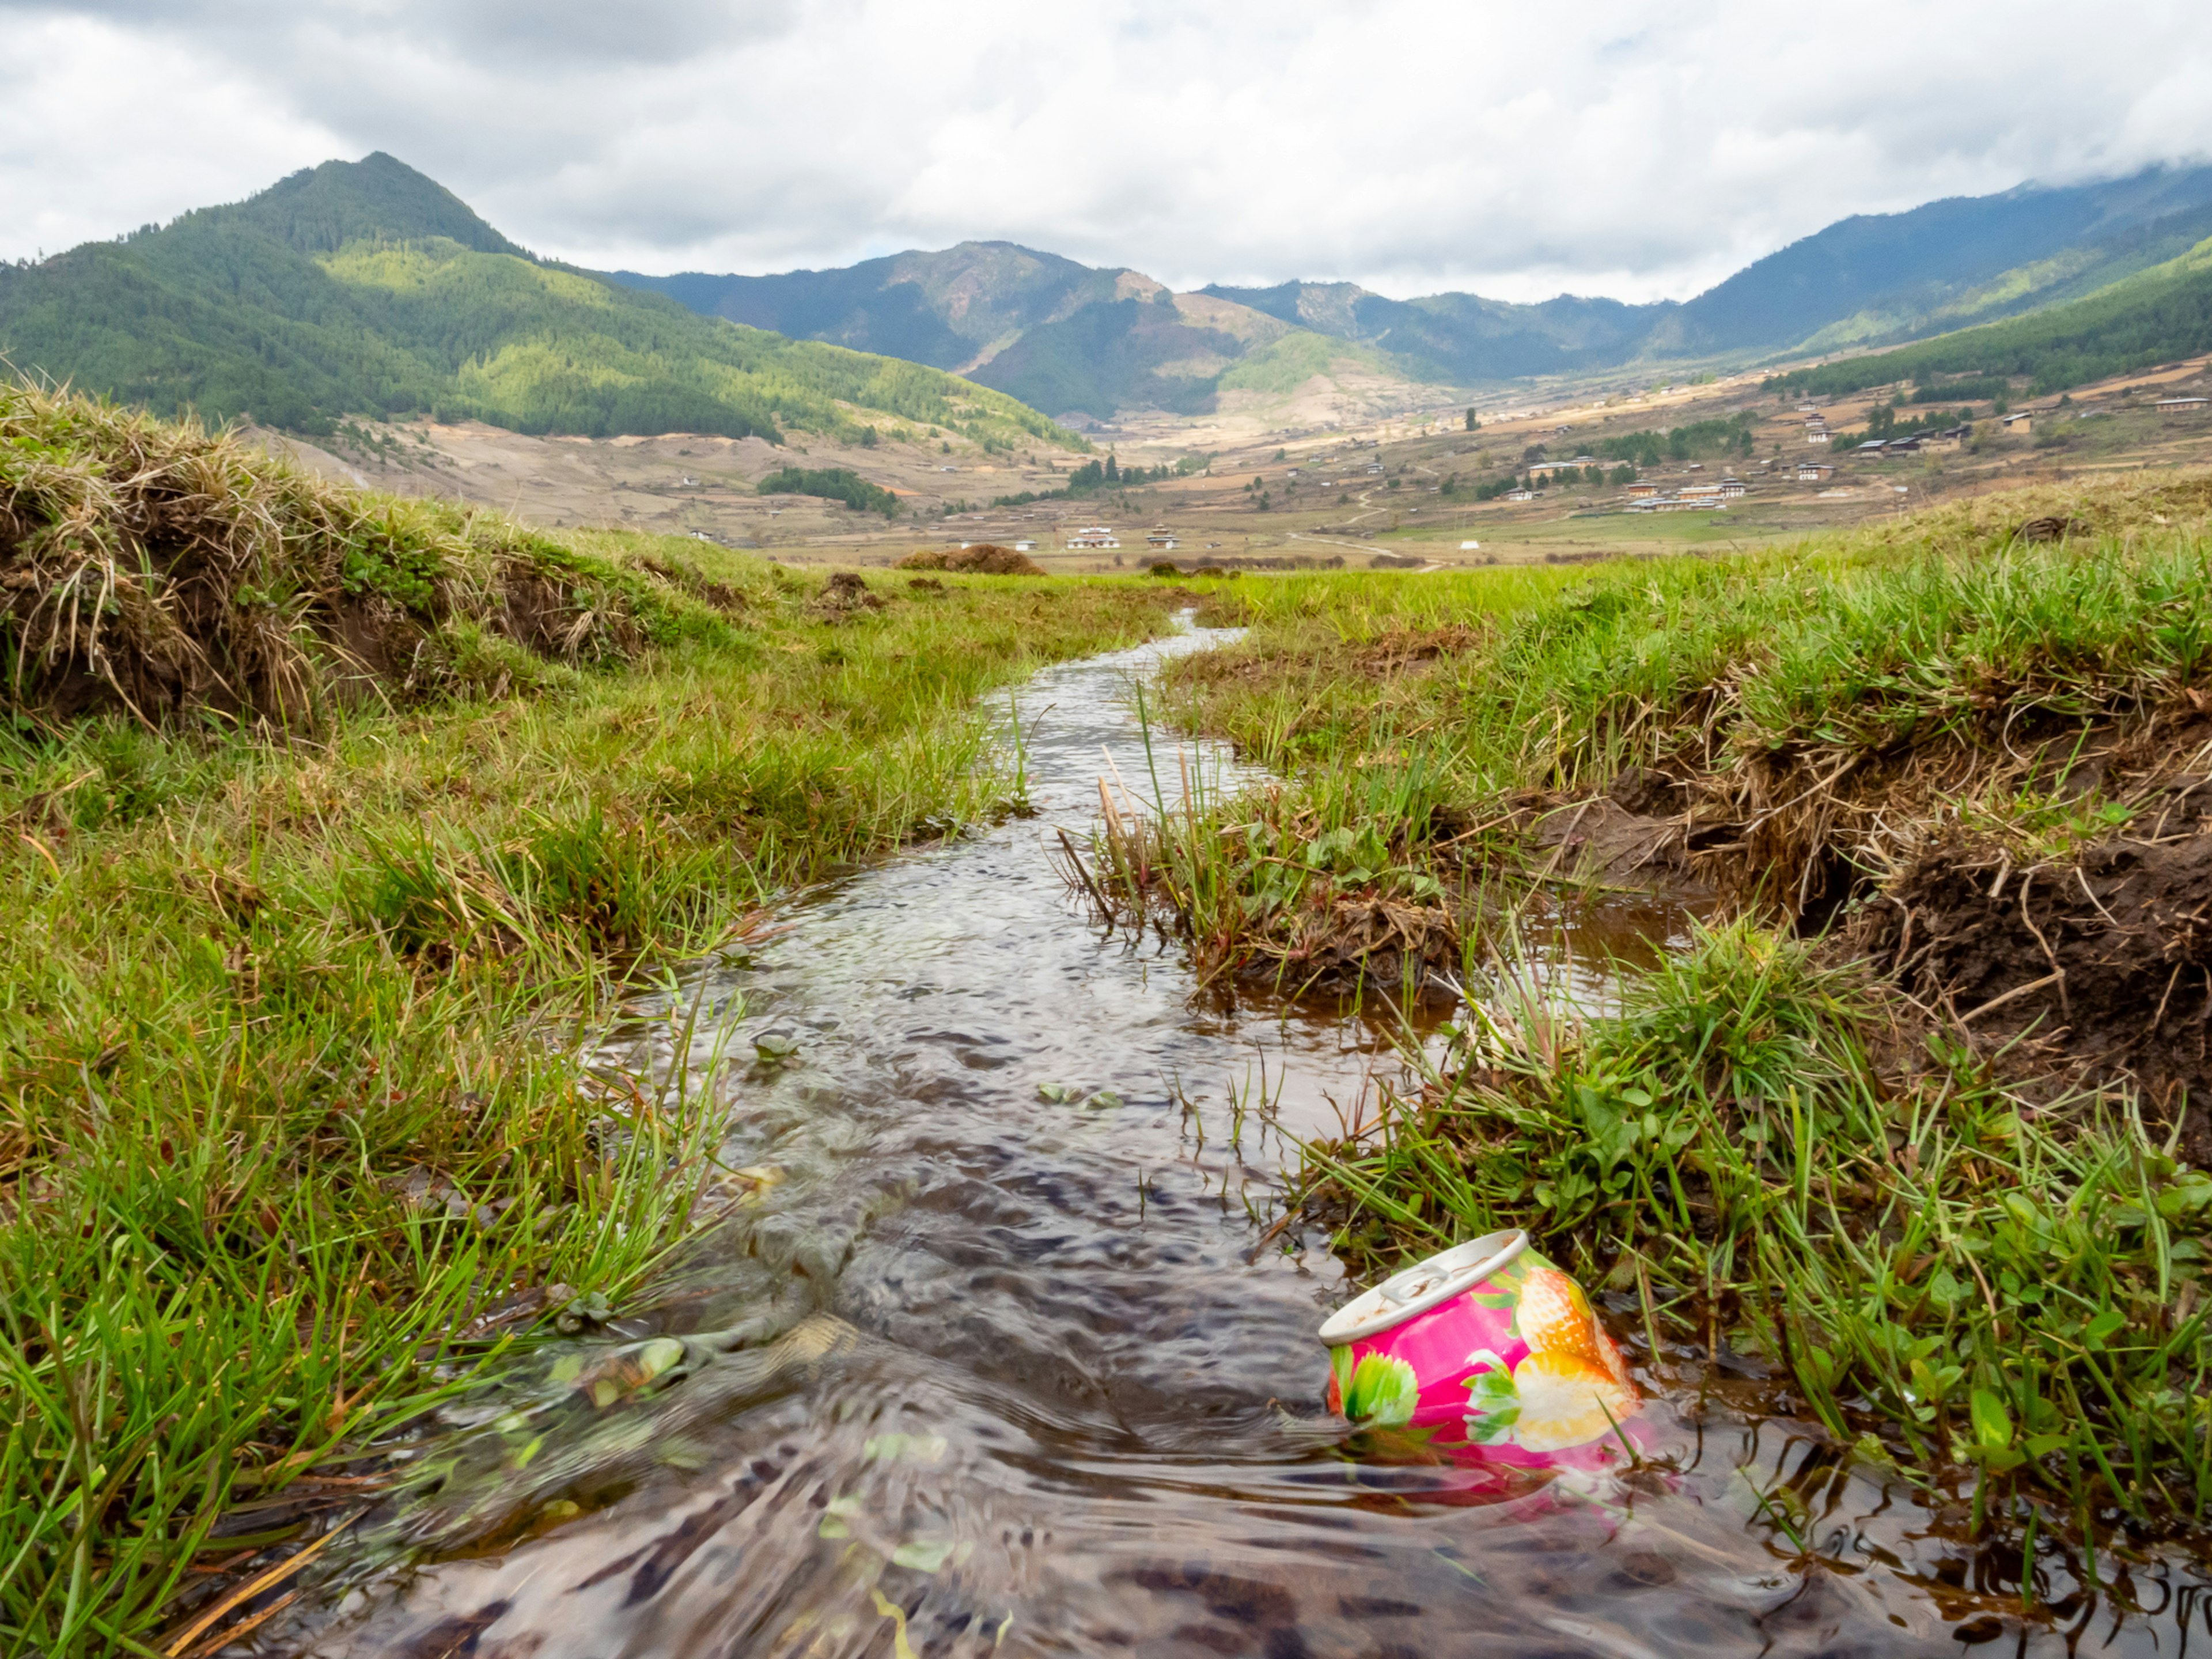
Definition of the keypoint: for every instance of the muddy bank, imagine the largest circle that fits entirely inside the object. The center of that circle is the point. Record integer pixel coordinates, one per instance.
(2075, 941)
(2096, 969)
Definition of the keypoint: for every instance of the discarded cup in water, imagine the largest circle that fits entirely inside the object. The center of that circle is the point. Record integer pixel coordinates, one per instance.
(1486, 1348)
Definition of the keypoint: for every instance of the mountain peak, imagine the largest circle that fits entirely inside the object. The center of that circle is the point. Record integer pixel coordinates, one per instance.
(319, 209)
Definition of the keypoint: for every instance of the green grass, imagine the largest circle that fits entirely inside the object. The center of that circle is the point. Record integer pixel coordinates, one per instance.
(1583, 533)
(2149, 318)
(290, 1015)
(1979, 1276)
(1898, 632)
(1977, 1283)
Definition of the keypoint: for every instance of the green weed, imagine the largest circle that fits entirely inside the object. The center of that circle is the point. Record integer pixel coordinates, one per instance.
(1990, 1285)
(293, 1139)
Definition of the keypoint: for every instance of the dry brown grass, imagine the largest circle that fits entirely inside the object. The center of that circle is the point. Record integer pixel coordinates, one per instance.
(164, 568)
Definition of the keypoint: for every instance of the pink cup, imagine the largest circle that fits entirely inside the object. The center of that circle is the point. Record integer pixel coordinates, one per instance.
(1485, 1348)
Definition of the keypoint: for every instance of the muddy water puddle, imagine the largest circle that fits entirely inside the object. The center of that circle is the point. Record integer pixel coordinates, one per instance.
(998, 1360)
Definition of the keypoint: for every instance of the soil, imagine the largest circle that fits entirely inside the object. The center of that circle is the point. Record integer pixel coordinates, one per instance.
(2098, 971)
(985, 559)
(844, 596)
(1362, 937)
(1626, 840)
(2094, 970)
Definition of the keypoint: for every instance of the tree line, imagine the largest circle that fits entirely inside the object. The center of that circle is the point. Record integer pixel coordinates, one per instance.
(832, 484)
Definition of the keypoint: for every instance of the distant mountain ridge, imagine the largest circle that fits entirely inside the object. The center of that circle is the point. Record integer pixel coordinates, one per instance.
(1908, 268)
(2154, 316)
(359, 288)
(363, 288)
(947, 309)
(1024, 321)
(1069, 338)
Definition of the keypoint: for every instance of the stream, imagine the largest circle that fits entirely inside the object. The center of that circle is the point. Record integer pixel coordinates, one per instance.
(1020, 1374)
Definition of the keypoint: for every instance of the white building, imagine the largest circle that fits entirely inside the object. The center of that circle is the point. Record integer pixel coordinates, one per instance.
(1097, 535)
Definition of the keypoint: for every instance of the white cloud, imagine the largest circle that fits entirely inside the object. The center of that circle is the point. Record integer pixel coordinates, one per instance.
(1410, 144)
(105, 127)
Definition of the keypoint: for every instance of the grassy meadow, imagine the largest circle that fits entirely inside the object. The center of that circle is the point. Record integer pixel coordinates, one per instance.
(335, 824)
(1961, 1252)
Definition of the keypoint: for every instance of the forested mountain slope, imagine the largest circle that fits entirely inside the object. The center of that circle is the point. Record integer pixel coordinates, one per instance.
(364, 287)
(2153, 316)
(1067, 338)
(947, 309)
(1951, 261)
(1071, 337)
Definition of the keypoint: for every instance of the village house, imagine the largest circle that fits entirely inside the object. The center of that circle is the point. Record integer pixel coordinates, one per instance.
(1026, 544)
(2023, 422)
(1520, 494)
(1692, 499)
(1733, 488)
(1162, 539)
(1642, 492)
(1552, 469)
(1097, 535)
(2172, 407)
(1815, 471)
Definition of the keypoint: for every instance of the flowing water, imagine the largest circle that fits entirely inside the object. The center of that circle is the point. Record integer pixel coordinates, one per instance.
(1015, 1366)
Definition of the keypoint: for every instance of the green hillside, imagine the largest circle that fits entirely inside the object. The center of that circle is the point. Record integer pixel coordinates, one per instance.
(2074, 272)
(2153, 316)
(1281, 367)
(365, 289)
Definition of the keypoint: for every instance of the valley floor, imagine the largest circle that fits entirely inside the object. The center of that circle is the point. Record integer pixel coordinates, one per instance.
(1366, 492)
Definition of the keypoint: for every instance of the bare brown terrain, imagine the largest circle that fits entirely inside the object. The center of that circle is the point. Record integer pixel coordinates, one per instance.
(1358, 494)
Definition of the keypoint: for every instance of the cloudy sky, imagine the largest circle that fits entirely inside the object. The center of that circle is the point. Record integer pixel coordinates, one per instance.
(1513, 148)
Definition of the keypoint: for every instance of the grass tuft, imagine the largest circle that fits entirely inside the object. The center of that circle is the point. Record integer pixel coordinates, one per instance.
(1999, 1289)
(295, 1134)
